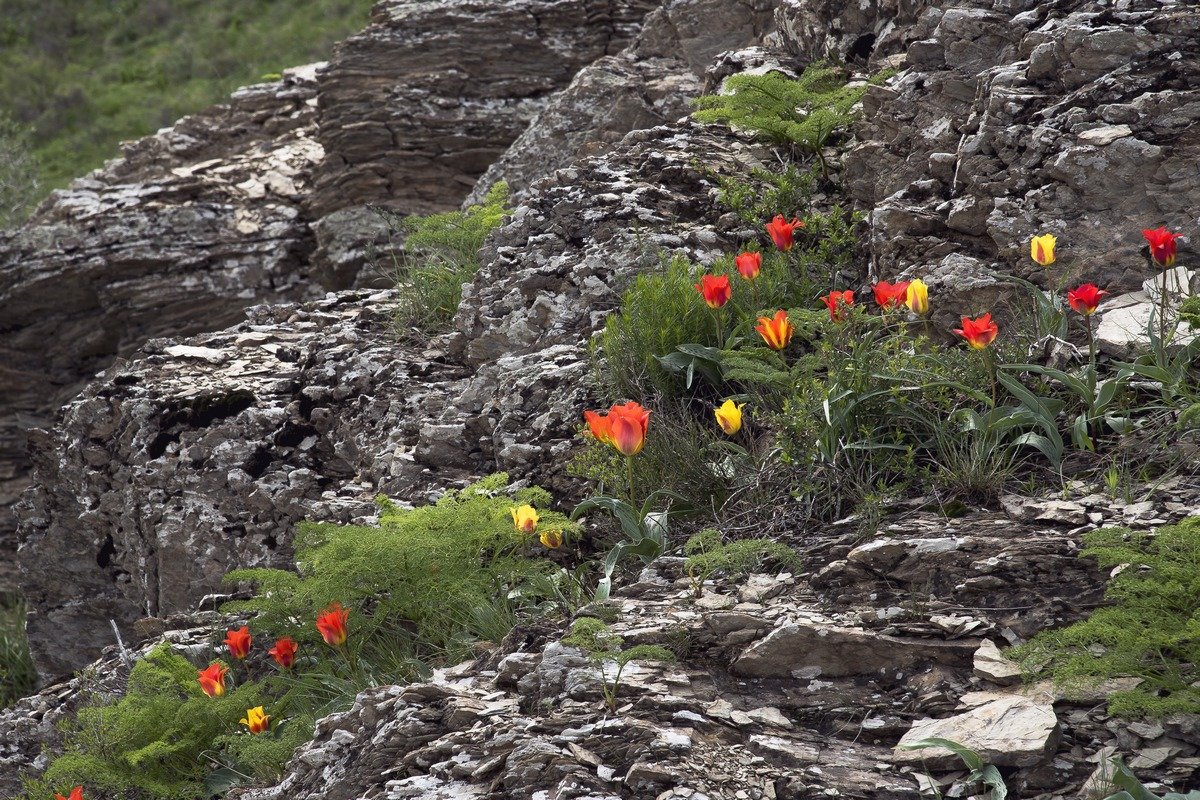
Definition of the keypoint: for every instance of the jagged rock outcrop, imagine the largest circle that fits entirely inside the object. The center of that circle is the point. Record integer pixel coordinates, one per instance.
(1074, 118)
(421, 103)
(199, 455)
(651, 82)
(264, 199)
(177, 237)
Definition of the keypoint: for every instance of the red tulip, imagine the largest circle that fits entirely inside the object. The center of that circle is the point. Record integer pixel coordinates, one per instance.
(980, 332)
(76, 794)
(239, 642)
(1084, 298)
(1162, 245)
(284, 652)
(837, 303)
(716, 290)
(776, 331)
(332, 624)
(624, 427)
(891, 295)
(749, 265)
(212, 680)
(782, 231)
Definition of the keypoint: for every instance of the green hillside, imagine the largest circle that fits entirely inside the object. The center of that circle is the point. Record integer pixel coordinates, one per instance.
(81, 75)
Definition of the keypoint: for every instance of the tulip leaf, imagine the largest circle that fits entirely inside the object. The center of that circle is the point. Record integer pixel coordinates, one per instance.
(1079, 433)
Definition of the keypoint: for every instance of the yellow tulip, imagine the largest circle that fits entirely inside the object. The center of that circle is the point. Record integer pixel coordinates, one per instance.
(256, 720)
(729, 417)
(551, 539)
(917, 299)
(1041, 249)
(525, 518)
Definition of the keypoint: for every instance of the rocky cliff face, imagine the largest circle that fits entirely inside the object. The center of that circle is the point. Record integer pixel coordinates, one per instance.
(264, 199)
(193, 454)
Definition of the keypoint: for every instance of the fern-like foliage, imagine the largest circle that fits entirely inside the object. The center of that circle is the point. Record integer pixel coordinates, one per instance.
(805, 112)
(1150, 631)
(149, 743)
(417, 583)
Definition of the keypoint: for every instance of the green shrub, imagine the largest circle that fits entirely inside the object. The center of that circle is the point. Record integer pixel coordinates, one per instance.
(421, 586)
(164, 737)
(1150, 629)
(707, 554)
(441, 254)
(805, 112)
(873, 412)
(18, 677)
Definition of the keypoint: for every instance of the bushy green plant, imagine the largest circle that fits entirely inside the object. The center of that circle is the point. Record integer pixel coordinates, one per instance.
(441, 254)
(1150, 629)
(163, 738)
(18, 677)
(805, 112)
(415, 583)
(604, 647)
(707, 555)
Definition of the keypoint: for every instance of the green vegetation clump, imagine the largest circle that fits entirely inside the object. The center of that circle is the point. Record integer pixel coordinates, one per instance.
(420, 586)
(1150, 630)
(18, 677)
(604, 646)
(165, 737)
(805, 112)
(87, 74)
(441, 254)
(707, 554)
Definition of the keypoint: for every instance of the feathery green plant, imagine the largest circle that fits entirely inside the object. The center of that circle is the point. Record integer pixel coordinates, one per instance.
(415, 582)
(805, 112)
(604, 646)
(151, 743)
(707, 554)
(1150, 630)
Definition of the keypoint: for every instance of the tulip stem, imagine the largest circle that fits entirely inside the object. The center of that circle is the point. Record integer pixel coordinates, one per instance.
(720, 329)
(990, 361)
(629, 478)
(1162, 312)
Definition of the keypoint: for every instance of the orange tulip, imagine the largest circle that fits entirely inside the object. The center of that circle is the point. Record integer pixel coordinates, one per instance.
(749, 265)
(332, 624)
(212, 680)
(891, 295)
(239, 642)
(715, 289)
(777, 331)
(76, 794)
(837, 303)
(629, 424)
(256, 720)
(599, 426)
(1084, 298)
(979, 332)
(1162, 245)
(782, 231)
(284, 652)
